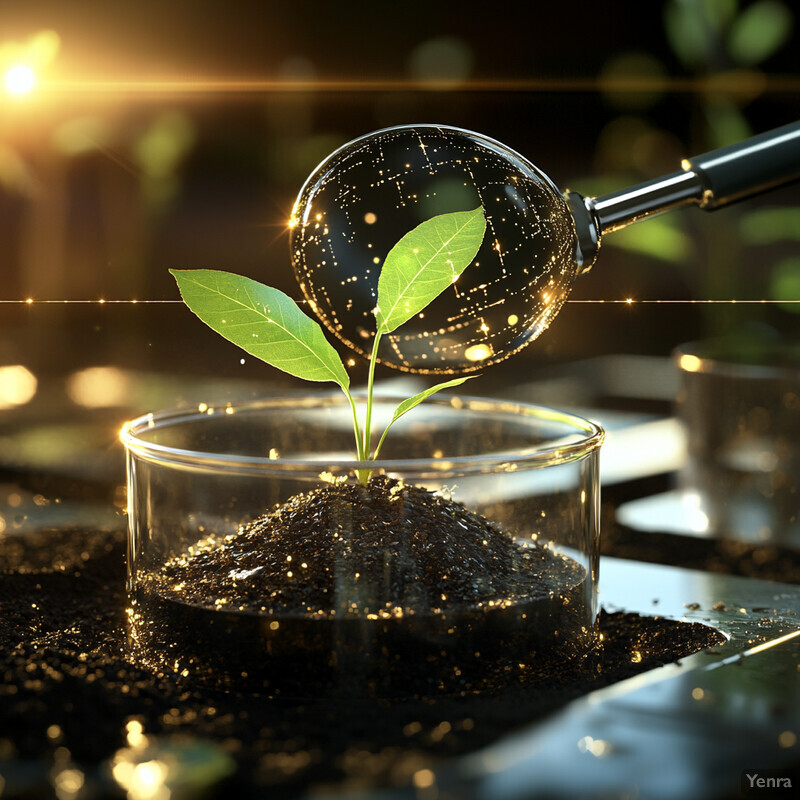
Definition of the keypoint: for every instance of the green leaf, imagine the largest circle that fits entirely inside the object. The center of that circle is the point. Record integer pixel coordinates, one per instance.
(263, 321)
(768, 225)
(759, 31)
(407, 405)
(424, 263)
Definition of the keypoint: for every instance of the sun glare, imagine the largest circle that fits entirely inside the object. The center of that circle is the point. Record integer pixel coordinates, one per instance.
(20, 79)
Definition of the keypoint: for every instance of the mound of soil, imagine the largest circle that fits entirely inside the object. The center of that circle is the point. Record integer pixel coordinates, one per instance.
(386, 588)
(385, 549)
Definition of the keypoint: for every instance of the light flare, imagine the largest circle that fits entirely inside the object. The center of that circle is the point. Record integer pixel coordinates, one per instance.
(20, 79)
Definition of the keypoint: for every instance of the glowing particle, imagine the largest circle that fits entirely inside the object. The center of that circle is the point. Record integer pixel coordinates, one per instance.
(370, 218)
(134, 733)
(513, 319)
(787, 739)
(597, 747)
(478, 352)
(690, 363)
(17, 385)
(68, 783)
(424, 779)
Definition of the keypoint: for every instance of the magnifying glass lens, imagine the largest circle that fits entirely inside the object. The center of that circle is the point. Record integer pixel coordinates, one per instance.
(364, 197)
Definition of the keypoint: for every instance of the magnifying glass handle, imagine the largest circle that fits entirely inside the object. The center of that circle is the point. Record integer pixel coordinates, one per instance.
(710, 180)
(749, 167)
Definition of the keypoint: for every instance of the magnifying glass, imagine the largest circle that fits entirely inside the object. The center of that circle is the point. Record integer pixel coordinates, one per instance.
(365, 196)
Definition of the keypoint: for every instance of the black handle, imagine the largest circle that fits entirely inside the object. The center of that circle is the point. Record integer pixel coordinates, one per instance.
(749, 167)
(709, 180)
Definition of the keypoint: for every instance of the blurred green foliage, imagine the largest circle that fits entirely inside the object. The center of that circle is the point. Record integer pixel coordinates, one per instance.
(661, 238)
(759, 31)
(159, 154)
(770, 225)
(721, 45)
(784, 283)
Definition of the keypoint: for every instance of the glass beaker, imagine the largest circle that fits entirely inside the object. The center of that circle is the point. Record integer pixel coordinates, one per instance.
(479, 555)
(739, 402)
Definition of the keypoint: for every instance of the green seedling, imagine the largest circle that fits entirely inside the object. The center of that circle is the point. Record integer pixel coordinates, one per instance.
(269, 325)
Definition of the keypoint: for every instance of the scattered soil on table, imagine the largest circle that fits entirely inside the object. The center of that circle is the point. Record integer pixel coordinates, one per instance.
(63, 663)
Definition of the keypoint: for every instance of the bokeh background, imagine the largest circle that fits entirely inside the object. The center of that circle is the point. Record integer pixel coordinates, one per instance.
(178, 134)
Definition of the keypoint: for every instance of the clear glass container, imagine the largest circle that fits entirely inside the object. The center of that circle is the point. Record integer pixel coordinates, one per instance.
(256, 560)
(739, 402)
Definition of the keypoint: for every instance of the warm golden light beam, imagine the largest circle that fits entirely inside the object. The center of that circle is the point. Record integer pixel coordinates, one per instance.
(774, 643)
(20, 80)
(725, 84)
(626, 302)
(30, 301)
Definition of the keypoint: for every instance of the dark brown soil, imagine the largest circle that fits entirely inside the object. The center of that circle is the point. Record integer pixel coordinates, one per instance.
(385, 549)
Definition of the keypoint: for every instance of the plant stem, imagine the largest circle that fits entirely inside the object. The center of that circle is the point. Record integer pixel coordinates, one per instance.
(370, 387)
(359, 446)
(363, 443)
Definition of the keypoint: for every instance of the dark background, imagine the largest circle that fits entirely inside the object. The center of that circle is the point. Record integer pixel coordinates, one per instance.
(193, 151)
